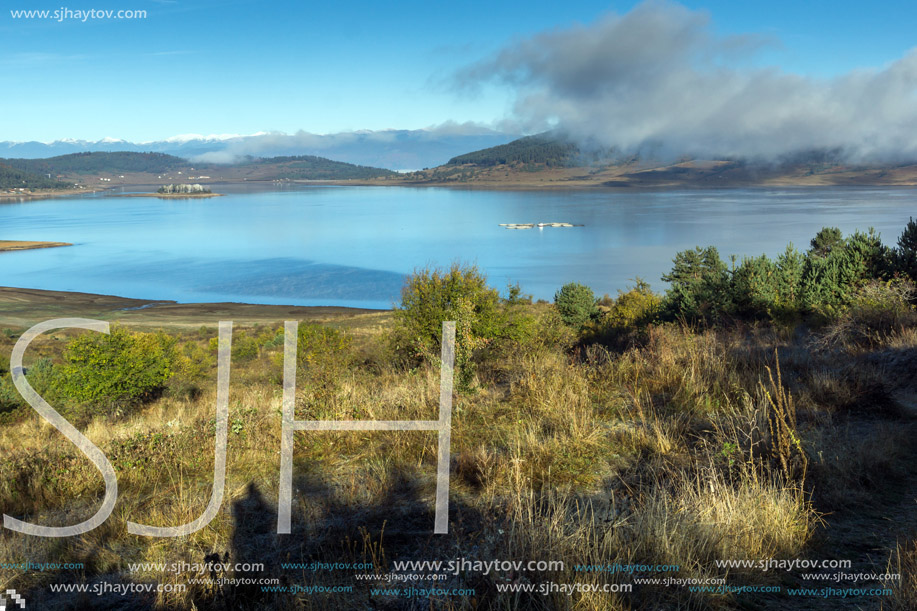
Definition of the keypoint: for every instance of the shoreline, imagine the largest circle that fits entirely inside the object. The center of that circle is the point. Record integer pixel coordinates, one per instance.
(25, 307)
(51, 193)
(14, 245)
(609, 186)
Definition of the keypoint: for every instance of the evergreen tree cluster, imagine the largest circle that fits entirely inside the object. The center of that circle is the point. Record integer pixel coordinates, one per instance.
(94, 163)
(821, 281)
(12, 178)
(309, 167)
(542, 149)
(183, 189)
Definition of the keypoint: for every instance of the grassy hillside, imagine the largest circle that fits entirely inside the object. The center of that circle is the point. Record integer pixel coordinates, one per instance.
(97, 163)
(13, 178)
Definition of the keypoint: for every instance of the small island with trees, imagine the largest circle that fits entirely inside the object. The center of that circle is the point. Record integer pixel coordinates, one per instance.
(183, 190)
(180, 191)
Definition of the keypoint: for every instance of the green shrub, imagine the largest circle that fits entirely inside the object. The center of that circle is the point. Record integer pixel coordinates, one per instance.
(515, 296)
(321, 346)
(323, 356)
(551, 332)
(790, 268)
(867, 257)
(884, 300)
(625, 319)
(519, 327)
(829, 281)
(905, 256)
(819, 284)
(765, 288)
(272, 338)
(9, 396)
(875, 310)
(825, 241)
(116, 372)
(754, 287)
(192, 366)
(245, 347)
(431, 296)
(700, 285)
(42, 377)
(822, 287)
(576, 305)
(634, 308)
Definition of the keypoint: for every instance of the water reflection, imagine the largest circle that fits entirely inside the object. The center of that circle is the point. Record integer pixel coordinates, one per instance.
(319, 245)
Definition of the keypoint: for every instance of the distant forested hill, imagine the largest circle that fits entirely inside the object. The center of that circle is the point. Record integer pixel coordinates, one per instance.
(308, 167)
(542, 149)
(95, 163)
(12, 178)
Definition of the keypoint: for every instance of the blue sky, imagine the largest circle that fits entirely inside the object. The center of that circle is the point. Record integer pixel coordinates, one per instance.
(242, 67)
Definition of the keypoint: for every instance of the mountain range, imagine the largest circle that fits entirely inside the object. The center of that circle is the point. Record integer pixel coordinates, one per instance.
(547, 160)
(391, 149)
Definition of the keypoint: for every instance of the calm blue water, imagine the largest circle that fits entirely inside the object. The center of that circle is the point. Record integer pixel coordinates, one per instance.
(353, 245)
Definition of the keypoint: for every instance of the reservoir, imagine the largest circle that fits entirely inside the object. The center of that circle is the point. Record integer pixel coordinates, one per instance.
(352, 246)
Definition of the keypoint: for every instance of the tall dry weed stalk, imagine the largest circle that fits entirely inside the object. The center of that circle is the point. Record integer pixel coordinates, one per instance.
(785, 443)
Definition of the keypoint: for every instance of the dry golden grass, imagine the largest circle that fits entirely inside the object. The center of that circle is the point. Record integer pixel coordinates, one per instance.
(691, 447)
(904, 563)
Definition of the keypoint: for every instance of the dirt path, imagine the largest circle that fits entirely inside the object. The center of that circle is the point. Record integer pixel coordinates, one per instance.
(866, 535)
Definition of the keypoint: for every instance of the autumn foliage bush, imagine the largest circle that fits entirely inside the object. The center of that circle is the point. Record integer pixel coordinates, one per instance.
(115, 372)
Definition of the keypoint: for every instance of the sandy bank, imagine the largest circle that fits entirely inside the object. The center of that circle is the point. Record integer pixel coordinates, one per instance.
(7, 245)
(22, 307)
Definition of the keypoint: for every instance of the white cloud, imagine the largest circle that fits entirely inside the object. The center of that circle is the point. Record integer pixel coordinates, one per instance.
(659, 77)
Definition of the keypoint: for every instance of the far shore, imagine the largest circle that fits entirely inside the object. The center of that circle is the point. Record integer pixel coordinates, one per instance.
(48, 193)
(566, 180)
(553, 179)
(8, 245)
